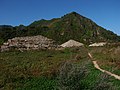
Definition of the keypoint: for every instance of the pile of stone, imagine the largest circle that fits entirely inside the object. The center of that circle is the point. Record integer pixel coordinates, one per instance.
(72, 43)
(29, 43)
(100, 44)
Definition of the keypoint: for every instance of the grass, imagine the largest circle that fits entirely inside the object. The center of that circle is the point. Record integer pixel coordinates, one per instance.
(108, 58)
(40, 70)
(16, 66)
(39, 83)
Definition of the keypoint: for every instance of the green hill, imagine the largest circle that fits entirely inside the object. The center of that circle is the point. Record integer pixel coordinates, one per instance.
(74, 26)
(69, 26)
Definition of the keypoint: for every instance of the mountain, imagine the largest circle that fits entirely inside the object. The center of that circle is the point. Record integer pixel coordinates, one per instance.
(70, 26)
(74, 26)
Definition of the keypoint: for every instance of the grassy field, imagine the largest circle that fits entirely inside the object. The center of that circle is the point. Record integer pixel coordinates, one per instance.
(108, 58)
(68, 69)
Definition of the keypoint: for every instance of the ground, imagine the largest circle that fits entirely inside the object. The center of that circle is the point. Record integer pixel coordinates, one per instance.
(67, 69)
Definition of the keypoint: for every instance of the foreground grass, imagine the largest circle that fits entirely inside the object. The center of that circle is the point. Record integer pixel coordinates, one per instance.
(68, 69)
(16, 66)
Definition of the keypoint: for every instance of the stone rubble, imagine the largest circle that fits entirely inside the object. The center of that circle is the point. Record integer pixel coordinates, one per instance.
(28, 43)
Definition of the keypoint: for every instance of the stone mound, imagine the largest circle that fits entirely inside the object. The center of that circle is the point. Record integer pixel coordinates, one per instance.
(28, 43)
(72, 43)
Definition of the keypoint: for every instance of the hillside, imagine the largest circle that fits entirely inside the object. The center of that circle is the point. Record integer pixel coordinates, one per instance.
(69, 26)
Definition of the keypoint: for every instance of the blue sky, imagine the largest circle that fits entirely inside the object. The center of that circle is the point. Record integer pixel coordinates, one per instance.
(105, 13)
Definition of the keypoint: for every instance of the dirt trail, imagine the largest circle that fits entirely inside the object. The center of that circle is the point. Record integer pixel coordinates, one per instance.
(102, 70)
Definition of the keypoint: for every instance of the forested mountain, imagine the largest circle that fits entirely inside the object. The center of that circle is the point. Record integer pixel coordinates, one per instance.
(69, 26)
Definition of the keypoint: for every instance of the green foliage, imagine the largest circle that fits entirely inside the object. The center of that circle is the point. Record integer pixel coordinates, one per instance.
(1, 41)
(103, 83)
(37, 83)
(6, 33)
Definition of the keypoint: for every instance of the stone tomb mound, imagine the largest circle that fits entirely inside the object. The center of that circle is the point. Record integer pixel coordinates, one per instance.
(29, 43)
(72, 43)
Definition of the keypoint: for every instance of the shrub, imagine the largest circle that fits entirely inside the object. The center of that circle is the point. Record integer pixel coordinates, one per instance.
(103, 83)
(70, 76)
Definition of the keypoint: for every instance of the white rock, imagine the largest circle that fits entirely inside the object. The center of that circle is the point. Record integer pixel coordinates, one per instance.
(97, 44)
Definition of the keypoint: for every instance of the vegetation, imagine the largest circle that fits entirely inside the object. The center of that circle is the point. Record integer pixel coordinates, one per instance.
(108, 58)
(68, 69)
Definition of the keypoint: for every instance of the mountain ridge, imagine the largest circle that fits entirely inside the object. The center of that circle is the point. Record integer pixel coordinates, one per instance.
(70, 26)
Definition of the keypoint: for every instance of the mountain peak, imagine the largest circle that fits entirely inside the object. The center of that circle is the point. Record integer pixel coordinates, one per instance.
(74, 13)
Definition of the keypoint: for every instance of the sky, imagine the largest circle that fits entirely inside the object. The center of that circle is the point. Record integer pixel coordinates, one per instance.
(105, 13)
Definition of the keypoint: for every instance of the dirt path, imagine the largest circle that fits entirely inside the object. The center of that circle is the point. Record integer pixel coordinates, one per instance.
(102, 70)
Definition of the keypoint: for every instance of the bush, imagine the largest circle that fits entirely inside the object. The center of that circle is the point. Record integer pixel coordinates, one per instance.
(70, 76)
(103, 83)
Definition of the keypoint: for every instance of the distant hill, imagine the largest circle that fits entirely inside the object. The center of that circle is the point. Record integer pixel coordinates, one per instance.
(2, 26)
(70, 26)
